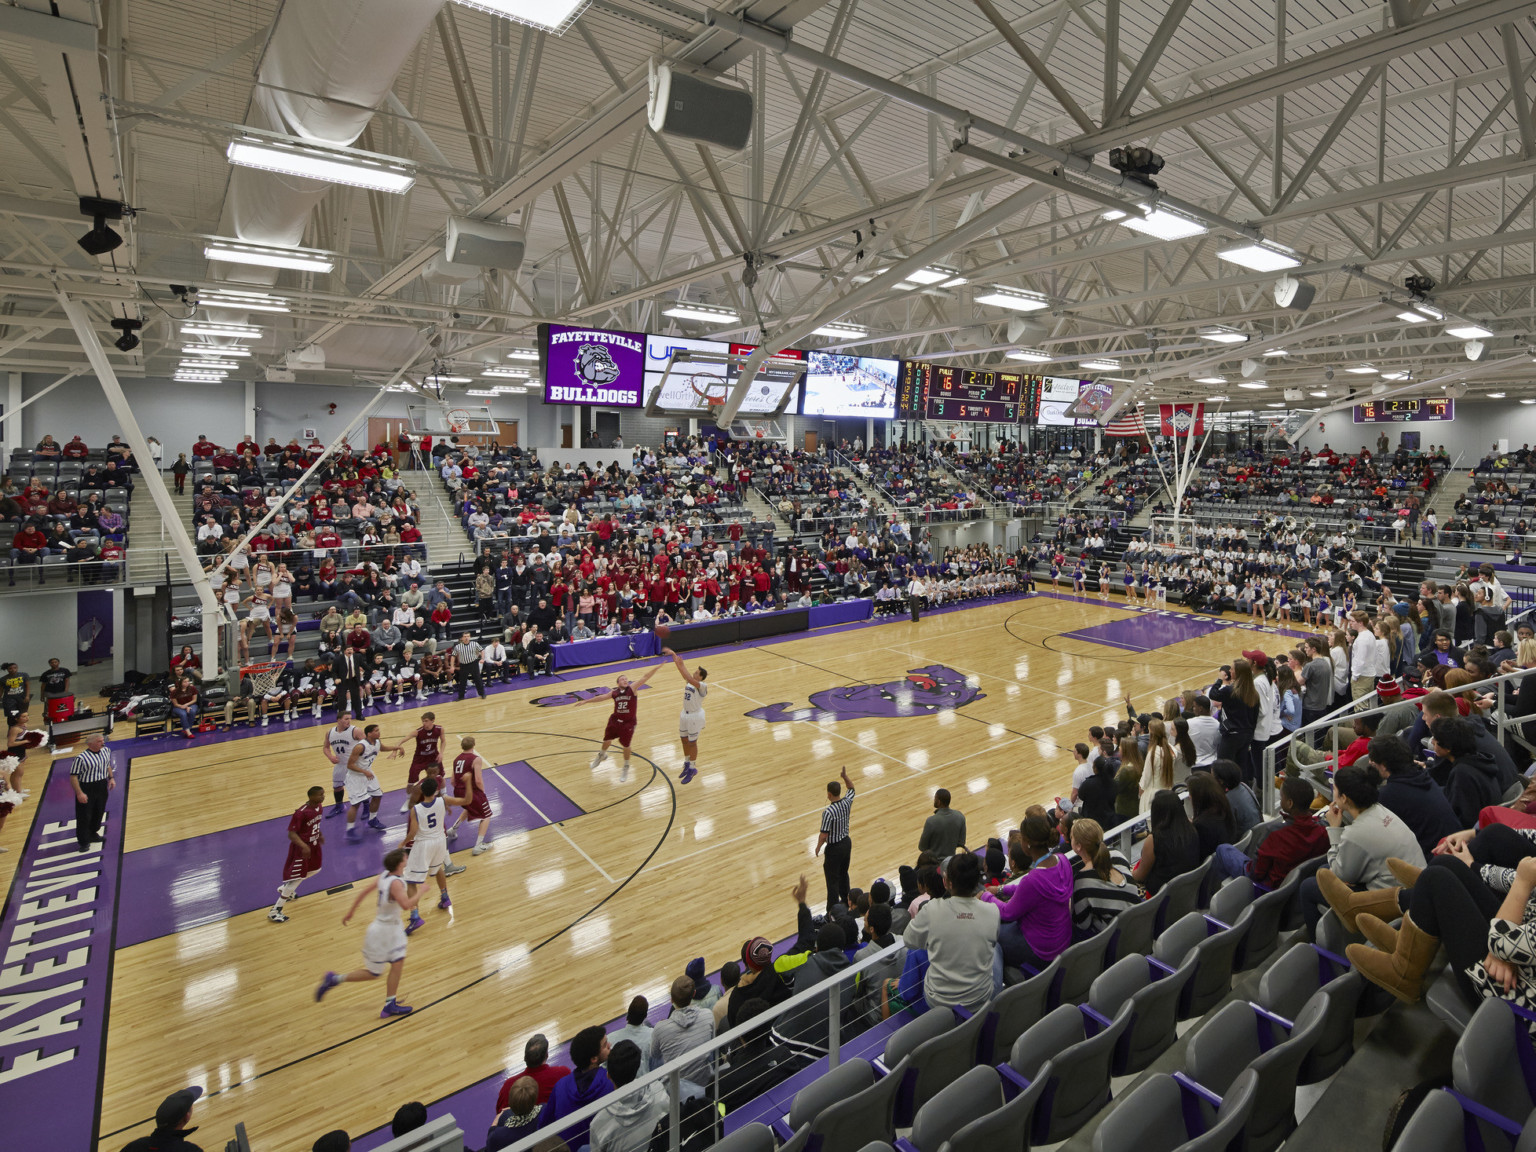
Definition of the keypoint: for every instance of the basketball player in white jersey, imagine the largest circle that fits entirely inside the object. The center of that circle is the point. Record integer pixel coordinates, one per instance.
(426, 832)
(363, 788)
(690, 721)
(337, 747)
(384, 945)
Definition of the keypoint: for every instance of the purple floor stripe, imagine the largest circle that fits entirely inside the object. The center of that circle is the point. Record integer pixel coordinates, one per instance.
(1143, 633)
(223, 874)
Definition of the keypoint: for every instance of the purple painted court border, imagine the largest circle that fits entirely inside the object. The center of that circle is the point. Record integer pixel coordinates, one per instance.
(34, 1115)
(1158, 631)
(237, 870)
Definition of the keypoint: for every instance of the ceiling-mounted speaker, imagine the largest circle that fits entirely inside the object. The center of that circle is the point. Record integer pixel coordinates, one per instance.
(1022, 330)
(1476, 350)
(1297, 295)
(694, 108)
(1293, 394)
(1251, 368)
(444, 273)
(484, 244)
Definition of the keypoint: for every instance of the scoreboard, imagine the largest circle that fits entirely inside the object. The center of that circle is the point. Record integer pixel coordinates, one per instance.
(947, 392)
(1405, 411)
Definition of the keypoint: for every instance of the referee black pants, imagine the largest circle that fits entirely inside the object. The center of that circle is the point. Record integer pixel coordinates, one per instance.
(465, 672)
(90, 813)
(834, 866)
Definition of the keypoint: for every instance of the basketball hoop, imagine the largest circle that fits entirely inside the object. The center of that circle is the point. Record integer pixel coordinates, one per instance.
(458, 421)
(758, 433)
(263, 676)
(710, 389)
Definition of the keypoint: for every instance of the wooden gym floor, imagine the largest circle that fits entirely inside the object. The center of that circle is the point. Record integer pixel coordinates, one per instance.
(598, 888)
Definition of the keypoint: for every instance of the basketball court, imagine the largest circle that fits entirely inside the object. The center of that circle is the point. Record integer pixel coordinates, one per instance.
(598, 887)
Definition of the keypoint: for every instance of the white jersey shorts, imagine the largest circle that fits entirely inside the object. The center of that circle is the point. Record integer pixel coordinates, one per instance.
(361, 788)
(339, 774)
(427, 858)
(382, 946)
(690, 724)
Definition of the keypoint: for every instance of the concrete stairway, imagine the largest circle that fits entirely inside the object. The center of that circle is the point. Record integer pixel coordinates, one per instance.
(441, 531)
(148, 542)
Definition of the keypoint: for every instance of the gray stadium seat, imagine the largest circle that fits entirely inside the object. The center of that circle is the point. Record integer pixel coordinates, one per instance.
(1182, 895)
(1263, 918)
(848, 1124)
(1134, 930)
(935, 1062)
(1232, 898)
(1292, 980)
(848, 1079)
(1005, 1130)
(1490, 1061)
(1012, 1011)
(1230, 1042)
(1079, 964)
(752, 1137)
(1196, 941)
(1446, 1001)
(1153, 1118)
(978, 1093)
(1439, 1125)
(1154, 1005)
(1075, 1064)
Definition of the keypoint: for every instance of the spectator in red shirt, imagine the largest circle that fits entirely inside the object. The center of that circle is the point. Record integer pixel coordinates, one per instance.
(1303, 757)
(273, 449)
(545, 1075)
(1299, 839)
(111, 555)
(441, 616)
(223, 459)
(204, 448)
(76, 450)
(247, 444)
(29, 545)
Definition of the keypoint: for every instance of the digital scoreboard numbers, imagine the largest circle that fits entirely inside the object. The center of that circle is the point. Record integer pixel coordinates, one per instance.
(976, 411)
(948, 392)
(1416, 411)
(912, 389)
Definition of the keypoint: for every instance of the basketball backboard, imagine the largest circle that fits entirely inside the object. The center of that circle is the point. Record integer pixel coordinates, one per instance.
(449, 418)
(696, 382)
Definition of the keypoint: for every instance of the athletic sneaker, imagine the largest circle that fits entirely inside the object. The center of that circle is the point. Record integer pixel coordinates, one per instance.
(452, 833)
(479, 848)
(416, 922)
(689, 773)
(406, 807)
(376, 824)
(394, 1009)
(336, 811)
(354, 835)
(598, 759)
(264, 721)
(444, 902)
(277, 917)
(330, 981)
(453, 869)
(624, 772)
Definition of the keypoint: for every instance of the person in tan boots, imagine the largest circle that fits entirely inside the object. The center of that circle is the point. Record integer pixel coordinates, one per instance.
(1362, 836)
(1476, 899)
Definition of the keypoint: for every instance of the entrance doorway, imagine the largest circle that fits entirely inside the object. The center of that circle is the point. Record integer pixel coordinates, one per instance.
(810, 441)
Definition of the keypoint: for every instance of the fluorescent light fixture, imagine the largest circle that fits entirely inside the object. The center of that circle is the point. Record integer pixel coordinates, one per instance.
(1100, 365)
(935, 274)
(1013, 298)
(1276, 352)
(1394, 375)
(450, 380)
(1261, 256)
(232, 331)
(479, 392)
(509, 389)
(522, 354)
(702, 312)
(1468, 332)
(518, 373)
(551, 15)
(203, 365)
(1319, 395)
(317, 164)
(1409, 316)
(250, 301)
(212, 350)
(1495, 395)
(1256, 385)
(1210, 379)
(840, 330)
(1160, 223)
(290, 258)
(1215, 399)
(1030, 355)
(1528, 401)
(1362, 370)
(1119, 380)
(1276, 404)
(199, 377)
(1221, 334)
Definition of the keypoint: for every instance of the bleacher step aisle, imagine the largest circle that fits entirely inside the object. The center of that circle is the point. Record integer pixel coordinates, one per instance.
(441, 531)
(148, 543)
(762, 510)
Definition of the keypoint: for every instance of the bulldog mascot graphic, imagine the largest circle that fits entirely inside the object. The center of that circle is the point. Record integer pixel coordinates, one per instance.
(922, 692)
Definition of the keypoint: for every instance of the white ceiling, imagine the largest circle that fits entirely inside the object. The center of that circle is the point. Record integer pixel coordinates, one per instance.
(1422, 166)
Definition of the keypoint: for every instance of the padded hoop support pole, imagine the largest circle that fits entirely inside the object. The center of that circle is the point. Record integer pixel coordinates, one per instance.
(186, 551)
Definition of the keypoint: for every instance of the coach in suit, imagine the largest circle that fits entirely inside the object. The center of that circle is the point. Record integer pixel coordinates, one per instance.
(351, 671)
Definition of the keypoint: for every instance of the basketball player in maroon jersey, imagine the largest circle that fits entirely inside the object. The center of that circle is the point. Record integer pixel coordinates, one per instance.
(304, 841)
(428, 756)
(469, 781)
(621, 724)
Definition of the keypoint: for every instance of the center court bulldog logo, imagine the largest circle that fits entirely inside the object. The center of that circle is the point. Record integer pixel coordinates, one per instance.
(595, 364)
(922, 692)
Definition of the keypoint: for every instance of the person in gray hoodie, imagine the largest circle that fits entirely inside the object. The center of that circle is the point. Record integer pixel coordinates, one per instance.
(626, 1124)
(870, 982)
(806, 1028)
(688, 1027)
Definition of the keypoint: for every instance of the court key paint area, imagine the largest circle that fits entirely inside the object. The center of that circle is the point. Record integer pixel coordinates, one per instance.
(598, 888)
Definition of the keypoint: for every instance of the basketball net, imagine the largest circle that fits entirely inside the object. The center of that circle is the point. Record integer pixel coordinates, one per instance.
(263, 676)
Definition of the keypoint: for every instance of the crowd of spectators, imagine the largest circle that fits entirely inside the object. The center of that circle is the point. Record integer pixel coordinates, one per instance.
(67, 503)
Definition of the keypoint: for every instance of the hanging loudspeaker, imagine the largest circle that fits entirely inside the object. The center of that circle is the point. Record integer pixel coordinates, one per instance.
(697, 109)
(1297, 295)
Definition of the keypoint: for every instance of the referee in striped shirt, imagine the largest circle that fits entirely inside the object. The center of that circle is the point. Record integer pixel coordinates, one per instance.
(835, 839)
(92, 777)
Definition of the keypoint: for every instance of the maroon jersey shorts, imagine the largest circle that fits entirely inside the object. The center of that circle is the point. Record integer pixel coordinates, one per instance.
(620, 728)
(296, 867)
(479, 808)
(419, 766)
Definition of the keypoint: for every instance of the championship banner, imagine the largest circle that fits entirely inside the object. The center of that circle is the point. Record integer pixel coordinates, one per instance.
(1182, 419)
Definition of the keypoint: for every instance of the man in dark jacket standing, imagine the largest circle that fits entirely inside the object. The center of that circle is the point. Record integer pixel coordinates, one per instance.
(1410, 793)
(173, 1124)
(944, 831)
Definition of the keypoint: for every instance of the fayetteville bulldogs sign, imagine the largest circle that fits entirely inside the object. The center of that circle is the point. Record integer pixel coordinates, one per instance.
(593, 366)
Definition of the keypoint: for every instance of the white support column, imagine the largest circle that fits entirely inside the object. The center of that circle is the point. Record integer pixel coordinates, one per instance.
(10, 435)
(250, 411)
(186, 551)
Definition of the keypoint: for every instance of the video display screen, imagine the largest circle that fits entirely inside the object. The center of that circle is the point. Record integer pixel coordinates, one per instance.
(694, 384)
(839, 385)
(1058, 394)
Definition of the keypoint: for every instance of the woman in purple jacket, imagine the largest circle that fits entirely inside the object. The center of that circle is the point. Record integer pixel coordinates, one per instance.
(1036, 908)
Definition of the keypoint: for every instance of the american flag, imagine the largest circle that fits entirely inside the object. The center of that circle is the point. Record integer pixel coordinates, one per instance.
(1130, 424)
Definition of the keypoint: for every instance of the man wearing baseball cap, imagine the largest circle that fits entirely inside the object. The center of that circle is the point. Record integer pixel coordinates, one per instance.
(173, 1120)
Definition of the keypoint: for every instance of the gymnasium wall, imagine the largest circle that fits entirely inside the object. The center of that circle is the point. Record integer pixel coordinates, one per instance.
(1478, 424)
(37, 627)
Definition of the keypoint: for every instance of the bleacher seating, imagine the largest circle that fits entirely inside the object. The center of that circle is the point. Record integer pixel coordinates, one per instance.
(65, 498)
